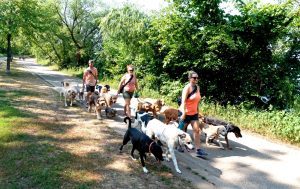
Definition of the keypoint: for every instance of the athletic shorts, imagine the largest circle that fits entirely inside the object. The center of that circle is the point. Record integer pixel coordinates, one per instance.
(190, 118)
(127, 95)
(90, 88)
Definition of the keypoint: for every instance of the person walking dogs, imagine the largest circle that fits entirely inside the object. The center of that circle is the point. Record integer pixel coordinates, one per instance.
(127, 86)
(189, 108)
(90, 77)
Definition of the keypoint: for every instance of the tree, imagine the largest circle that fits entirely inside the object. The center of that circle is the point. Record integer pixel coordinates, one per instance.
(15, 15)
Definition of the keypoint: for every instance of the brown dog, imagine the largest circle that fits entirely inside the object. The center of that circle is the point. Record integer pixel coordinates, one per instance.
(171, 114)
(149, 107)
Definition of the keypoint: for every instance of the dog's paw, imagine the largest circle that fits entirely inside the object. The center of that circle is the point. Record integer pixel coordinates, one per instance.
(178, 171)
(134, 159)
(145, 170)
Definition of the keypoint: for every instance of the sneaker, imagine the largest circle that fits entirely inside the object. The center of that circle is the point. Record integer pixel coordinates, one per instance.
(201, 152)
(180, 149)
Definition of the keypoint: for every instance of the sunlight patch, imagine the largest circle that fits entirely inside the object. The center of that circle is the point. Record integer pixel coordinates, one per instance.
(119, 165)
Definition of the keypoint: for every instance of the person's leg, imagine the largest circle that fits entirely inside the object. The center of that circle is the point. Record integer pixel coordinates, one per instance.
(127, 108)
(196, 133)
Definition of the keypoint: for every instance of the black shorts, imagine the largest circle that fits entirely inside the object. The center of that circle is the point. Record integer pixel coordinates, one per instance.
(127, 95)
(90, 88)
(190, 118)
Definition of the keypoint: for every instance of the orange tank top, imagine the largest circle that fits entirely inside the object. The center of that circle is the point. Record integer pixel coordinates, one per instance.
(191, 104)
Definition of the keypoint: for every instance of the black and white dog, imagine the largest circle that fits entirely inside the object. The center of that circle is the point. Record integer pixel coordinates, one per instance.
(142, 143)
(170, 135)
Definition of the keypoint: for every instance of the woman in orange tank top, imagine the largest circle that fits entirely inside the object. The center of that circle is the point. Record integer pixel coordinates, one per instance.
(189, 108)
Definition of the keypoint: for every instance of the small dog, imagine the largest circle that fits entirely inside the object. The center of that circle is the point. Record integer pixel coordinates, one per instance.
(213, 132)
(92, 101)
(170, 135)
(229, 127)
(100, 105)
(150, 107)
(110, 112)
(142, 143)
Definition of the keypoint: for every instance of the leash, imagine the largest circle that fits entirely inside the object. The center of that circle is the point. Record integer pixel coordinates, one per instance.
(150, 147)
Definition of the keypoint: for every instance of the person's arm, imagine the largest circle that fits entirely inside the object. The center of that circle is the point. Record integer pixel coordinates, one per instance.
(183, 100)
(84, 77)
(198, 88)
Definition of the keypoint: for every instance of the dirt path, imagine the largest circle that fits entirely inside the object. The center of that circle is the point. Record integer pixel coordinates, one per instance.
(253, 163)
(85, 147)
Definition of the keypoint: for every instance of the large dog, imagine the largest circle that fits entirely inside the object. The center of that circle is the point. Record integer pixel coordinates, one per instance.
(229, 127)
(142, 143)
(170, 135)
(213, 132)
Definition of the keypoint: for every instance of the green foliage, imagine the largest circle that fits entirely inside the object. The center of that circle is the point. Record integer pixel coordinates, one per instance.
(278, 124)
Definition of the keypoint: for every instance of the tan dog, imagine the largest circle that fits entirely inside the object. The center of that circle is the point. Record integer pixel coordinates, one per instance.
(149, 107)
(92, 101)
(213, 132)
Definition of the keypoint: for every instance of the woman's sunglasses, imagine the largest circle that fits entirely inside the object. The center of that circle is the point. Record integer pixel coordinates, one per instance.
(194, 78)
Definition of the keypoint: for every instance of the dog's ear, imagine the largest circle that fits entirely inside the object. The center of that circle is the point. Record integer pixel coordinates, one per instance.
(182, 135)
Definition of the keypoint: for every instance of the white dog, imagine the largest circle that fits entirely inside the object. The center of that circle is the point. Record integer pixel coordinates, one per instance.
(70, 92)
(170, 135)
(213, 132)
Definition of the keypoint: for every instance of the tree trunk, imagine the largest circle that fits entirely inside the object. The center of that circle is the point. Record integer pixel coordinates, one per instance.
(9, 56)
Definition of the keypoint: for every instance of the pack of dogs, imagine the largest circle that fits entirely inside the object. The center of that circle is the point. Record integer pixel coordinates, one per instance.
(101, 100)
(158, 124)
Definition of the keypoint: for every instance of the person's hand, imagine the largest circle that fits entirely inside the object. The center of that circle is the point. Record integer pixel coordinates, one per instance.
(182, 117)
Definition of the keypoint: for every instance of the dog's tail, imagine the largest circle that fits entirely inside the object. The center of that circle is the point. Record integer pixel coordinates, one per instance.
(127, 120)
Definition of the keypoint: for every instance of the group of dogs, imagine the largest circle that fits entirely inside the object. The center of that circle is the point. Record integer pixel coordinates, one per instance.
(98, 101)
(159, 126)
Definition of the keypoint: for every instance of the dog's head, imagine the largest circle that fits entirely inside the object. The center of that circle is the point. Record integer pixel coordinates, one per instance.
(157, 151)
(71, 93)
(236, 130)
(103, 90)
(222, 130)
(101, 101)
(113, 99)
(158, 105)
(186, 140)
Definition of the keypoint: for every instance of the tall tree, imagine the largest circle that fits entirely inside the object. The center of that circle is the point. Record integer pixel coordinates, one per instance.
(15, 15)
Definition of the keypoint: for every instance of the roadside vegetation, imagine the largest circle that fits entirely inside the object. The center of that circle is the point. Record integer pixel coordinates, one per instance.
(248, 62)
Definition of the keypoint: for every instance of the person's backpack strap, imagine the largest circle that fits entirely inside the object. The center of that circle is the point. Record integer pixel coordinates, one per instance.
(122, 86)
(128, 80)
(193, 92)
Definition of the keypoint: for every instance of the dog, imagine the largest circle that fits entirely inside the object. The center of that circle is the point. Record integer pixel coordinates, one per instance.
(142, 119)
(213, 132)
(70, 92)
(229, 127)
(142, 143)
(154, 107)
(110, 112)
(92, 101)
(170, 135)
(100, 105)
(171, 114)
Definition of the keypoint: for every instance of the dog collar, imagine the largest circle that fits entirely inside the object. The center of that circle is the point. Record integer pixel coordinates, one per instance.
(150, 146)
